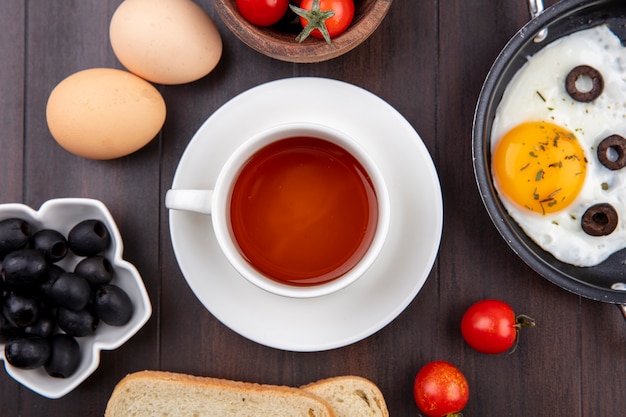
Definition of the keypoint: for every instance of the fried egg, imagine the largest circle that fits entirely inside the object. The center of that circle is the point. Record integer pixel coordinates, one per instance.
(544, 146)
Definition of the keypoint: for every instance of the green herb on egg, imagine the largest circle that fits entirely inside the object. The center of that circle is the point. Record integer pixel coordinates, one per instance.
(541, 96)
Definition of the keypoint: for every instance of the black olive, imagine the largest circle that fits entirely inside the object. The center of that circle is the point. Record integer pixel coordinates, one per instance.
(71, 291)
(14, 234)
(95, 269)
(89, 238)
(3, 285)
(615, 144)
(77, 323)
(51, 243)
(584, 71)
(27, 352)
(44, 326)
(45, 288)
(113, 305)
(64, 356)
(24, 267)
(7, 329)
(599, 220)
(19, 310)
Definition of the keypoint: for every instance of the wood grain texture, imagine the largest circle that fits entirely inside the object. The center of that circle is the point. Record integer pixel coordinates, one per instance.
(12, 100)
(428, 59)
(12, 107)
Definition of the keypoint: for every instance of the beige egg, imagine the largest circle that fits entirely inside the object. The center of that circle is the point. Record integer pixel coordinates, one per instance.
(165, 41)
(104, 113)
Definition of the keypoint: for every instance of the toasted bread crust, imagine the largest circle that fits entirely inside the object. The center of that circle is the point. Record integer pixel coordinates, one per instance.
(367, 399)
(149, 393)
(215, 393)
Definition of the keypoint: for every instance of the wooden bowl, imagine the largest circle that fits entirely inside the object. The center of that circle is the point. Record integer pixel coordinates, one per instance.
(279, 41)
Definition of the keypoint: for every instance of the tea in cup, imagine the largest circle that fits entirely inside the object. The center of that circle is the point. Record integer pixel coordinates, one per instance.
(300, 209)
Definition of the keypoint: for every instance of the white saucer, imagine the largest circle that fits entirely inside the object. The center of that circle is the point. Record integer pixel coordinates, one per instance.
(401, 269)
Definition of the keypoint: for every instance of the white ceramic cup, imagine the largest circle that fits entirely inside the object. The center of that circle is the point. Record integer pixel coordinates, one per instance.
(216, 202)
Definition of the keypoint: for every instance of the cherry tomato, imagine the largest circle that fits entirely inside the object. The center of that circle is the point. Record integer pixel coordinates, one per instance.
(440, 389)
(310, 12)
(262, 12)
(490, 326)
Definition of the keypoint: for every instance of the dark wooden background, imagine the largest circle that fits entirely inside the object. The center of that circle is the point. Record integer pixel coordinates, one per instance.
(428, 59)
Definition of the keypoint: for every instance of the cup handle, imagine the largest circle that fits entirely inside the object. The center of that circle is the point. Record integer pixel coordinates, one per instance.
(198, 201)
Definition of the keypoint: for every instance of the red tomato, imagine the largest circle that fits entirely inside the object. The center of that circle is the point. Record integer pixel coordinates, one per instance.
(490, 326)
(440, 389)
(262, 12)
(337, 23)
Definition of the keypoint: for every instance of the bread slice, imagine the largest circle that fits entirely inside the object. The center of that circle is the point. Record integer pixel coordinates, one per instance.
(350, 396)
(166, 394)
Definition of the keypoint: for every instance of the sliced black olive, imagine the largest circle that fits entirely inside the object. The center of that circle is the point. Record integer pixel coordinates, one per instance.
(612, 152)
(89, 238)
(588, 72)
(27, 352)
(97, 270)
(14, 234)
(64, 356)
(77, 323)
(51, 243)
(599, 220)
(24, 267)
(113, 305)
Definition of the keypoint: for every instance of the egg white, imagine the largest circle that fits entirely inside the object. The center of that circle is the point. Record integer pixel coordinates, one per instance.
(537, 93)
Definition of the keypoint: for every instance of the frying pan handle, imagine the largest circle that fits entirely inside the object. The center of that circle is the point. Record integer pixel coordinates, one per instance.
(622, 287)
(536, 7)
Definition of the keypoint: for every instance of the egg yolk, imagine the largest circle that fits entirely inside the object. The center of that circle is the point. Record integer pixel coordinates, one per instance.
(539, 166)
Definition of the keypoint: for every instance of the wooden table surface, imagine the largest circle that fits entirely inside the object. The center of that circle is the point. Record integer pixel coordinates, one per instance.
(428, 60)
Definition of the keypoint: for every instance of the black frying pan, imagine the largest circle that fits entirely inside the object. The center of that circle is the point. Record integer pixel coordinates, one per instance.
(605, 282)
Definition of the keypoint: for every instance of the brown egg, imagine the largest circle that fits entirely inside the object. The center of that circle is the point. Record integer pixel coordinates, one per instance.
(104, 113)
(165, 41)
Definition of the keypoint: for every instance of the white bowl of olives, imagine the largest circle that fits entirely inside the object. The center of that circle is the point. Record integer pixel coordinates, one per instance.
(66, 293)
